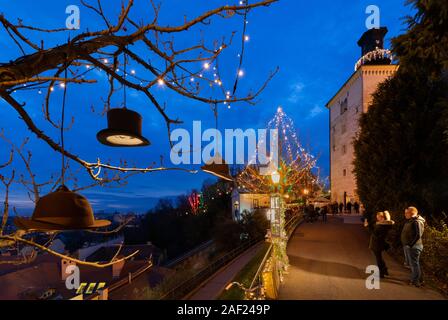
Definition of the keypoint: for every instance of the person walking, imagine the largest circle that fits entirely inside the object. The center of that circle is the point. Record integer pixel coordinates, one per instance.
(341, 207)
(411, 239)
(349, 207)
(378, 242)
(324, 212)
(356, 207)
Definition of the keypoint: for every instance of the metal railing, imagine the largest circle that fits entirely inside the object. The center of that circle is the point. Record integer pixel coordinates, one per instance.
(189, 254)
(192, 283)
(290, 226)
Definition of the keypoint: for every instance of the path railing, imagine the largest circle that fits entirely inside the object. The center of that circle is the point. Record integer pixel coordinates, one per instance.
(257, 283)
(192, 283)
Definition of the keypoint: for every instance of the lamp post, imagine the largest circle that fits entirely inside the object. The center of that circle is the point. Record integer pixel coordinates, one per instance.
(278, 233)
(305, 193)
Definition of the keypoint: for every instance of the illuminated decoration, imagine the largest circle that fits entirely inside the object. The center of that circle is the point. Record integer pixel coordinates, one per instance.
(194, 200)
(295, 166)
(61, 210)
(124, 129)
(217, 167)
(288, 180)
(378, 54)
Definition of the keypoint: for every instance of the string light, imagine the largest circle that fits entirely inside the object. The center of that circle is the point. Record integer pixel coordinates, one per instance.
(206, 65)
(51, 89)
(62, 85)
(246, 38)
(240, 73)
(160, 82)
(192, 79)
(132, 71)
(106, 60)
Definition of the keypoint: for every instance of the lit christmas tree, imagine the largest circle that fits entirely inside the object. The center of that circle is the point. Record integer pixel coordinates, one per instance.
(291, 180)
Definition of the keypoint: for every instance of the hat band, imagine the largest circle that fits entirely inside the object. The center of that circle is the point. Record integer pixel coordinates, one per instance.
(66, 221)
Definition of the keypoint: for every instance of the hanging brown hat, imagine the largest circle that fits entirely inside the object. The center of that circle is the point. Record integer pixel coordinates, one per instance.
(124, 129)
(61, 210)
(217, 167)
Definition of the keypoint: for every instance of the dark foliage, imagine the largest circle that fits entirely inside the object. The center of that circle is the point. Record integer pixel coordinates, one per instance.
(401, 150)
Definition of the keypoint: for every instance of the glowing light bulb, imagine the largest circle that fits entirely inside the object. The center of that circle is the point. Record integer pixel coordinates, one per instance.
(132, 71)
(51, 89)
(88, 66)
(106, 60)
(240, 73)
(161, 82)
(192, 79)
(246, 38)
(62, 85)
(206, 65)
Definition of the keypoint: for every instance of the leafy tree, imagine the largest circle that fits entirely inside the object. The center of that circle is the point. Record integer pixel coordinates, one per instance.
(401, 150)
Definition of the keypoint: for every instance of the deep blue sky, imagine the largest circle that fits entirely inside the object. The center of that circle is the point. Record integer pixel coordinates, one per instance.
(313, 43)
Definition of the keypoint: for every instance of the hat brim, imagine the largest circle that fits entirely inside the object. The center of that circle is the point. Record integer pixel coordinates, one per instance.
(29, 224)
(105, 133)
(216, 174)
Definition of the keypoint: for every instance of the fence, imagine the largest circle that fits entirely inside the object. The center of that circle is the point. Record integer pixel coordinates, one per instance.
(257, 281)
(192, 283)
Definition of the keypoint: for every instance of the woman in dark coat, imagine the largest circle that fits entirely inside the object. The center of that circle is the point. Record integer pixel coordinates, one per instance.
(378, 242)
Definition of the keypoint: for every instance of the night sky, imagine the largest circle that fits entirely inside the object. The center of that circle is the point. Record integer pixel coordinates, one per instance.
(312, 42)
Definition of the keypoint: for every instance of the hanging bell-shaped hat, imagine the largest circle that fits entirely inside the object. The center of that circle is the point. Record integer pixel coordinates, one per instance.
(124, 129)
(217, 167)
(61, 210)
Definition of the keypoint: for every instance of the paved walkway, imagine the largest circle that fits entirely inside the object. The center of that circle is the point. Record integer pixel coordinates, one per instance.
(214, 286)
(328, 261)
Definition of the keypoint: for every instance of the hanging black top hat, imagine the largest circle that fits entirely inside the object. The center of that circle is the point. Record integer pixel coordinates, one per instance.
(124, 129)
(217, 167)
(61, 210)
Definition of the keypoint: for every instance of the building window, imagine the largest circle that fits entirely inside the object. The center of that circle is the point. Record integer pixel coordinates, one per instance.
(344, 105)
(255, 204)
(344, 172)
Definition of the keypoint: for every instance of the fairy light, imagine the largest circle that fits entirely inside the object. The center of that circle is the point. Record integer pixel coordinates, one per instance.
(39, 92)
(62, 85)
(51, 89)
(246, 38)
(87, 66)
(132, 71)
(192, 79)
(106, 60)
(206, 65)
(240, 73)
(161, 82)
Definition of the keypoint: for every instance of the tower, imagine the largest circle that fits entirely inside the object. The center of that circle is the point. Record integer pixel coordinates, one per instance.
(345, 107)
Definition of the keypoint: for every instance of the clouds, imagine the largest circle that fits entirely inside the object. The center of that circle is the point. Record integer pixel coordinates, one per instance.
(315, 111)
(295, 92)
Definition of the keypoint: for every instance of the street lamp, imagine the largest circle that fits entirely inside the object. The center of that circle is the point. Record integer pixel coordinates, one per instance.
(275, 176)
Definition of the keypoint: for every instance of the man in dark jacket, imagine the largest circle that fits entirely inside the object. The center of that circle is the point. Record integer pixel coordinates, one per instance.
(378, 242)
(411, 238)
